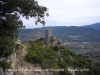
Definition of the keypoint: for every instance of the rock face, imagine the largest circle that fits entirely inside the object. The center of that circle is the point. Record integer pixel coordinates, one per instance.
(50, 39)
(1, 71)
(18, 43)
(12, 60)
(6, 72)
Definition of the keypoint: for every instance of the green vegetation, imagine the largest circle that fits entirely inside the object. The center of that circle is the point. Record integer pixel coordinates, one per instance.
(70, 34)
(86, 49)
(48, 57)
(4, 65)
(10, 22)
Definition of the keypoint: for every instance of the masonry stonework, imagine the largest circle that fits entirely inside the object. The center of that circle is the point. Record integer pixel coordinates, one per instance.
(50, 39)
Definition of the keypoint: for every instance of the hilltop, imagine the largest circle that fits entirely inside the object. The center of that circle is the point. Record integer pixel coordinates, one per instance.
(60, 60)
(94, 26)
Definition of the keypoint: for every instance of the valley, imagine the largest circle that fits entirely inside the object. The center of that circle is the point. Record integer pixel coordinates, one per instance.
(89, 50)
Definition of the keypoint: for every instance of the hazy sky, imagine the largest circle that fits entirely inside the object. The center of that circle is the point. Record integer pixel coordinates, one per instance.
(68, 13)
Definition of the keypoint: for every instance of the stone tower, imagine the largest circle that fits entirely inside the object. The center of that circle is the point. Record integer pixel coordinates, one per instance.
(48, 34)
(50, 39)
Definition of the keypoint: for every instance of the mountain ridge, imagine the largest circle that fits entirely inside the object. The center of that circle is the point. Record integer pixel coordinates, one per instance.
(94, 26)
(72, 33)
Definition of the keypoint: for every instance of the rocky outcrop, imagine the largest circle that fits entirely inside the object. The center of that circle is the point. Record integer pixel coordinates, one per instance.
(6, 72)
(17, 44)
(12, 61)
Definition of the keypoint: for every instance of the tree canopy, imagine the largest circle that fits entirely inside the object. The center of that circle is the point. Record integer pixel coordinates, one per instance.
(10, 22)
(26, 8)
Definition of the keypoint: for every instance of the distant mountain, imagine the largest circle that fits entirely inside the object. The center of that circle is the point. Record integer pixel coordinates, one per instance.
(94, 26)
(73, 33)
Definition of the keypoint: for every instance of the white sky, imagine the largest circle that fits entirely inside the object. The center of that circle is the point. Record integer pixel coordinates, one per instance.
(68, 13)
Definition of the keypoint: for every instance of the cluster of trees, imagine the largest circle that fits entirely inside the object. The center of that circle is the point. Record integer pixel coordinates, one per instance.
(48, 57)
(10, 22)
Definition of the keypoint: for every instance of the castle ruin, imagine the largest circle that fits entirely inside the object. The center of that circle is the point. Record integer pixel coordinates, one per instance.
(48, 34)
(50, 39)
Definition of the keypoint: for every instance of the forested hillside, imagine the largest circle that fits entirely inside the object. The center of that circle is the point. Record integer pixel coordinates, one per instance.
(94, 26)
(60, 60)
(75, 34)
